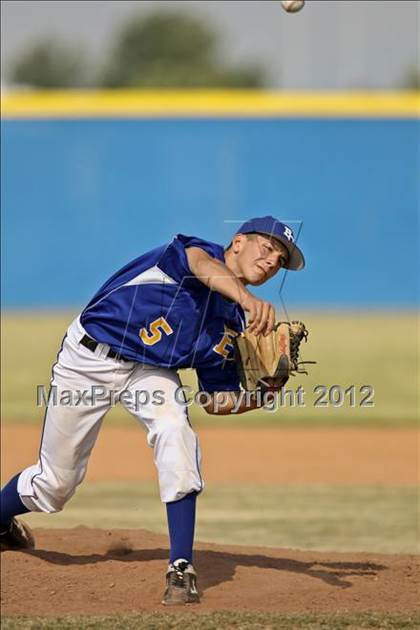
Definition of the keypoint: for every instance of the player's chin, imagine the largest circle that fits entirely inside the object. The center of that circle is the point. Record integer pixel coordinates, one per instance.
(256, 279)
(257, 283)
(258, 276)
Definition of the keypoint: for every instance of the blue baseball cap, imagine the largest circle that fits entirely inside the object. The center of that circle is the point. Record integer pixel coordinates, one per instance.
(282, 232)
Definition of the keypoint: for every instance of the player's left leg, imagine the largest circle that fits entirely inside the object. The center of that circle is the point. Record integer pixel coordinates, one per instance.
(14, 534)
(177, 456)
(81, 384)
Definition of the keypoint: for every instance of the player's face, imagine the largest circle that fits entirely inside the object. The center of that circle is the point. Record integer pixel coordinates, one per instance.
(260, 258)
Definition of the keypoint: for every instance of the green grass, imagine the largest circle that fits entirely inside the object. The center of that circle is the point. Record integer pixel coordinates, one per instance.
(351, 349)
(219, 620)
(323, 518)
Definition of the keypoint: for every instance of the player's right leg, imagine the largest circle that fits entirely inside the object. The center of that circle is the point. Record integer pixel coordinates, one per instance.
(177, 457)
(81, 382)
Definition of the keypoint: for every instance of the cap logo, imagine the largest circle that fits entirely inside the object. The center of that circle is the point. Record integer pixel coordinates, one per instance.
(288, 234)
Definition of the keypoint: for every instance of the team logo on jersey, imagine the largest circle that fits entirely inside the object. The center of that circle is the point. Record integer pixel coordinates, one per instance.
(225, 345)
(157, 327)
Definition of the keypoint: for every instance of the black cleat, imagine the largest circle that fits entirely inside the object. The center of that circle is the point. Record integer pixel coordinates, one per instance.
(18, 536)
(181, 584)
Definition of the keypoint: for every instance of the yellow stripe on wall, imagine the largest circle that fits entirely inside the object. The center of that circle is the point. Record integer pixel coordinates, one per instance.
(208, 103)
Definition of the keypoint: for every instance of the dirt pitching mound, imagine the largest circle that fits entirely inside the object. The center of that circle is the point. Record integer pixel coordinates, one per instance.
(99, 572)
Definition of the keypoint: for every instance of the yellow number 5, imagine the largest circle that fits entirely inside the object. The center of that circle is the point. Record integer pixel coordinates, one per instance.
(155, 334)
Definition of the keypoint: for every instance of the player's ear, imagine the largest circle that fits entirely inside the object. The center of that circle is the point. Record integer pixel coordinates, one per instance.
(238, 243)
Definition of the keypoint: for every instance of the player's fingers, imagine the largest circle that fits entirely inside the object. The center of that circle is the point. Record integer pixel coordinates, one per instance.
(271, 320)
(267, 319)
(263, 315)
(252, 310)
(255, 321)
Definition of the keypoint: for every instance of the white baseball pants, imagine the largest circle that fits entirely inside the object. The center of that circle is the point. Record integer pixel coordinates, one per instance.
(71, 425)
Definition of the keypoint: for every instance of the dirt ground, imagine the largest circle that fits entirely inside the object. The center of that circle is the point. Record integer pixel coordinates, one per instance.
(249, 455)
(100, 572)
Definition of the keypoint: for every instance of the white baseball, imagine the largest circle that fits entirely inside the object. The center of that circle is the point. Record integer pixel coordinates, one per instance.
(292, 6)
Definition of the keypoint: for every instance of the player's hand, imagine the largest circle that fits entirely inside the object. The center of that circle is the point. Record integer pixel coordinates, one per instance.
(262, 315)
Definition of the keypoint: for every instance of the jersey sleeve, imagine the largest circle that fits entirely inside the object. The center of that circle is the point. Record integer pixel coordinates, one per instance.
(223, 378)
(174, 261)
(213, 249)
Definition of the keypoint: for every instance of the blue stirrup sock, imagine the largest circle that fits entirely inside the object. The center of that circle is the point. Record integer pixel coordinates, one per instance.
(10, 503)
(181, 524)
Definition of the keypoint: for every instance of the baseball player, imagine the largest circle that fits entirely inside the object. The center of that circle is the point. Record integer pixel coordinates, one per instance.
(177, 306)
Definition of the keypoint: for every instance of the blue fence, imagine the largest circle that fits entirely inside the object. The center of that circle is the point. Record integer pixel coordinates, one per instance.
(82, 197)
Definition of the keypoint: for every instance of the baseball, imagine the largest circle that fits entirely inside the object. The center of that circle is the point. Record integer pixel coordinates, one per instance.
(292, 6)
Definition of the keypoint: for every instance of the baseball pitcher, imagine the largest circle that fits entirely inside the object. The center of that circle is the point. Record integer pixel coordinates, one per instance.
(178, 306)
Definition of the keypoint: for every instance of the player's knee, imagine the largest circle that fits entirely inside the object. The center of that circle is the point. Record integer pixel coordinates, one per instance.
(53, 492)
(60, 495)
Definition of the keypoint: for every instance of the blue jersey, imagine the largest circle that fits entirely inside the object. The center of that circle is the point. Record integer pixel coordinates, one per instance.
(155, 311)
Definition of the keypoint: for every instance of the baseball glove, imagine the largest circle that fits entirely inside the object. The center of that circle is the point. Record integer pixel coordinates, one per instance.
(266, 363)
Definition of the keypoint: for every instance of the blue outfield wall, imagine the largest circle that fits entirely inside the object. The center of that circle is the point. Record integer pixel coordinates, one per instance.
(82, 197)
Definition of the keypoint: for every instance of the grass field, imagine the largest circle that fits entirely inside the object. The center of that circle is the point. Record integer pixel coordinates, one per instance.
(319, 518)
(357, 349)
(217, 621)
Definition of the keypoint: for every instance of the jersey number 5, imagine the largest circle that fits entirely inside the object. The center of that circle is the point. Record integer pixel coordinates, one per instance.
(156, 328)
